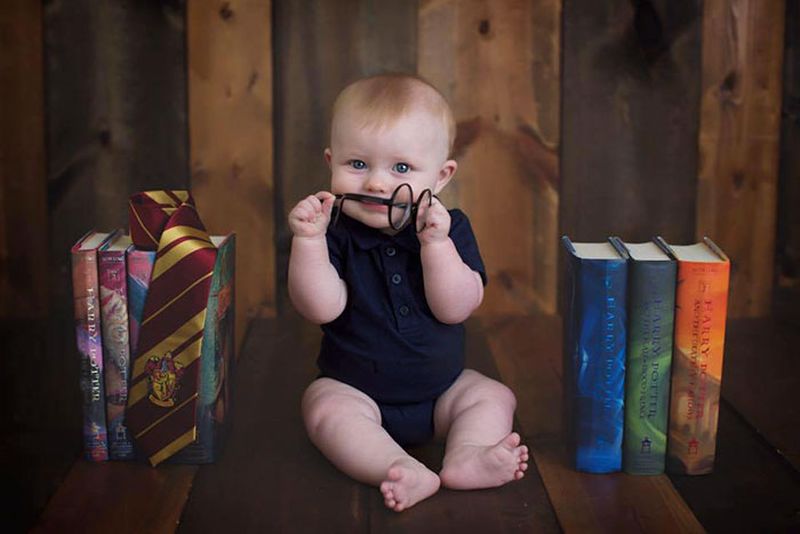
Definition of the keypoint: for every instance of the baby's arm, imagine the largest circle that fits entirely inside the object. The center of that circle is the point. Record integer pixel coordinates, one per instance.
(452, 289)
(315, 288)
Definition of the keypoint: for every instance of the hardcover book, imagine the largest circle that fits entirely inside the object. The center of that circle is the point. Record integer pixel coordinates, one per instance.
(651, 310)
(701, 307)
(217, 352)
(116, 345)
(594, 354)
(88, 334)
(140, 267)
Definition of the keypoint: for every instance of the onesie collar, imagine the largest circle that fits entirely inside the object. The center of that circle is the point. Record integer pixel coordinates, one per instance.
(366, 237)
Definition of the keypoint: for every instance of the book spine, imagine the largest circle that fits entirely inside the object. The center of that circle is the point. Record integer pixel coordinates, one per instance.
(594, 364)
(140, 267)
(701, 310)
(116, 350)
(86, 289)
(216, 362)
(651, 305)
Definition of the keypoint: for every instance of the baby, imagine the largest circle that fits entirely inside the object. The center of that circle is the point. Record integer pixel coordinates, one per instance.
(391, 282)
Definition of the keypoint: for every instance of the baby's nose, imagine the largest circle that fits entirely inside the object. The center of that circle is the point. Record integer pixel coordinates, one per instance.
(376, 183)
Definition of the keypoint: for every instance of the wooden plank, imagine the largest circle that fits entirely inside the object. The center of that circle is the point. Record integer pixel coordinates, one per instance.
(752, 488)
(760, 379)
(271, 477)
(528, 354)
(229, 57)
(118, 497)
(41, 418)
(321, 46)
(498, 65)
(788, 231)
(739, 136)
(116, 116)
(630, 106)
(24, 272)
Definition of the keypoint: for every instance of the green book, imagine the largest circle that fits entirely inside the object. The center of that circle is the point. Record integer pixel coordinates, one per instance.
(651, 313)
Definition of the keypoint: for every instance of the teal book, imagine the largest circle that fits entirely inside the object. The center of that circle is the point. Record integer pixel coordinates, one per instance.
(651, 312)
(216, 361)
(594, 354)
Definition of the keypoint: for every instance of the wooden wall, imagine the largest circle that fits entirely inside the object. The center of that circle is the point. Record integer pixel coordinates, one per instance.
(23, 201)
(574, 116)
(116, 116)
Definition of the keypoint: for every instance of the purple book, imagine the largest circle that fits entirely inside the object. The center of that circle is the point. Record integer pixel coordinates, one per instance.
(116, 347)
(88, 333)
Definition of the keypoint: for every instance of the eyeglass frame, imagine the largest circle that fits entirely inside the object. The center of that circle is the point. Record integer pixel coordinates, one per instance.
(369, 199)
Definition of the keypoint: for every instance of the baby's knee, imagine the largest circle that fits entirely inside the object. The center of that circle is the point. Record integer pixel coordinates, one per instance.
(492, 391)
(503, 395)
(324, 408)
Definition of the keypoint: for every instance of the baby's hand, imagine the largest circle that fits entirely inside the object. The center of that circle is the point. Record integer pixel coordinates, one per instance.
(437, 224)
(310, 217)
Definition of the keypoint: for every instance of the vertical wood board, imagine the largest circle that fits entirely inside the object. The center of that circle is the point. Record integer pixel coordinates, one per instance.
(231, 144)
(497, 63)
(739, 143)
(116, 116)
(788, 231)
(23, 200)
(631, 75)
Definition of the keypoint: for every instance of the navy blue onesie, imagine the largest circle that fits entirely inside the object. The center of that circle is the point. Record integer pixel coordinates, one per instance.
(387, 342)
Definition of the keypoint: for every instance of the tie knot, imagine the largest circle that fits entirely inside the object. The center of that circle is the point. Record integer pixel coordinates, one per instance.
(152, 212)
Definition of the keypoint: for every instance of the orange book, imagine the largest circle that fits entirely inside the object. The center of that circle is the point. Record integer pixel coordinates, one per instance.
(701, 305)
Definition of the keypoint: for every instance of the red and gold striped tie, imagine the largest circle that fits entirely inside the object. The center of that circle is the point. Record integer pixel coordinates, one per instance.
(164, 376)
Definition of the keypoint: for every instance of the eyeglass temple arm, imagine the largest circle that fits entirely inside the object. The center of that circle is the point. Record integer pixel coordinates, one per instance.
(364, 198)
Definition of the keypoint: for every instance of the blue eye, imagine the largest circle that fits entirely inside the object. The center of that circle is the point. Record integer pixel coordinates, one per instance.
(358, 164)
(401, 167)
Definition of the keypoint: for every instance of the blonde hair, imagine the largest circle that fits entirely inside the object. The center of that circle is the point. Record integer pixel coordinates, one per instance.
(384, 98)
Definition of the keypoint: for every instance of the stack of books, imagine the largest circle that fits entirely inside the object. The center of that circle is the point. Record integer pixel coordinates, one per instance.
(644, 332)
(110, 278)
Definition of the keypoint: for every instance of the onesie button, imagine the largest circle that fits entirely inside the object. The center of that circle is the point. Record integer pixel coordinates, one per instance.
(391, 251)
(396, 279)
(403, 310)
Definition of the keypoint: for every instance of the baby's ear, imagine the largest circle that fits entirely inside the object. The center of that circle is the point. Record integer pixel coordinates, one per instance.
(327, 154)
(445, 175)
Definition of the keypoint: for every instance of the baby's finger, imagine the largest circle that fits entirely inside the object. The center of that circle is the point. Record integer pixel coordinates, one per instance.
(314, 203)
(327, 205)
(324, 195)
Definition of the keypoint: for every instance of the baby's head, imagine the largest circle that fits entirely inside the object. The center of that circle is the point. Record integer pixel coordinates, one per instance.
(387, 130)
(379, 101)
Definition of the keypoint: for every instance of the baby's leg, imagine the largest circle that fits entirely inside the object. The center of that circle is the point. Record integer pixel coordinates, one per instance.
(476, 414)
(345, 424)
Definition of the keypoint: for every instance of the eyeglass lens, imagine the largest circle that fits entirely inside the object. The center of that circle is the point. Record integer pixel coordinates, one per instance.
(423, 207)
(400, 208)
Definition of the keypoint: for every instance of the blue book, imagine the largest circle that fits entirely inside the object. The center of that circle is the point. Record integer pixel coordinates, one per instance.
(594, 354)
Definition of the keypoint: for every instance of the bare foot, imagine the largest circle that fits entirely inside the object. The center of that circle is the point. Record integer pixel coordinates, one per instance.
(476, 466)
(408, 482)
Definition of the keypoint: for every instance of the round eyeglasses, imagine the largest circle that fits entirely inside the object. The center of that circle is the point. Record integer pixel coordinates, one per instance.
(402, 208)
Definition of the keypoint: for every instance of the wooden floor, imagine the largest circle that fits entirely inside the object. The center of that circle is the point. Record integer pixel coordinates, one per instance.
(271, 479)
